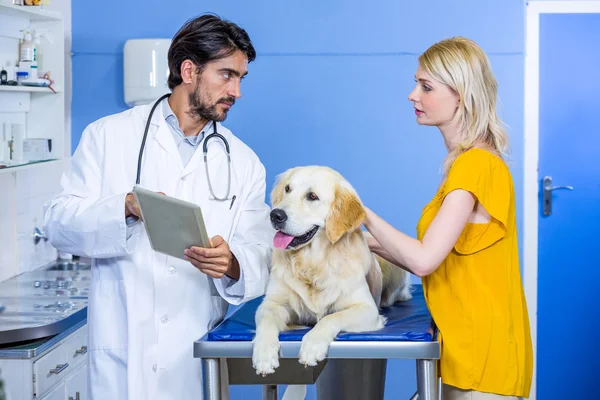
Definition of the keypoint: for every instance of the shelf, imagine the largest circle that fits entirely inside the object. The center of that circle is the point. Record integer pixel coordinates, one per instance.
(35, 13)
(27, 165)
(32, 89)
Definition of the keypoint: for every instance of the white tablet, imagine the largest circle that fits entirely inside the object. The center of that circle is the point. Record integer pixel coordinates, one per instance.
(172, 225)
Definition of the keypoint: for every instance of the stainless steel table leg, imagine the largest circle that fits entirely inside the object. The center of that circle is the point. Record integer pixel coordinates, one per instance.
(212, 378)
(427, 381)
(269, 392)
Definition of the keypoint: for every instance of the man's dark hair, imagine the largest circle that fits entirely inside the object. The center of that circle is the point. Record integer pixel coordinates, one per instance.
(205, 39)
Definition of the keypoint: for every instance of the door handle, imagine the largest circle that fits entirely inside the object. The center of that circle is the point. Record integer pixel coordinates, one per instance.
(548, 189)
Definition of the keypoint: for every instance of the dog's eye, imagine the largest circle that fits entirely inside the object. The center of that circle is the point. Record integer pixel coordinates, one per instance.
(312, 196)
(287, 188)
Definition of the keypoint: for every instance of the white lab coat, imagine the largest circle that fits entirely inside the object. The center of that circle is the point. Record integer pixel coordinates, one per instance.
(146, 309)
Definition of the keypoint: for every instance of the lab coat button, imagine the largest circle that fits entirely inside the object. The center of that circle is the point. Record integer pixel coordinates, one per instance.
(164, 319)
(154, 368)
(172, 270)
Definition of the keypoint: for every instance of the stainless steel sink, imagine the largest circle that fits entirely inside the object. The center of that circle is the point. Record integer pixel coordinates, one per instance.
(68, 266)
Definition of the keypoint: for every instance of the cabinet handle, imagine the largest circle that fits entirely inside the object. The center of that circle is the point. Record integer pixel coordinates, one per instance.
(83, 350)
(59, 368)
(76, 396)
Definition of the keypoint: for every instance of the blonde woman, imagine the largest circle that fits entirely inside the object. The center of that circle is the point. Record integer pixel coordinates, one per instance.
(466, 247)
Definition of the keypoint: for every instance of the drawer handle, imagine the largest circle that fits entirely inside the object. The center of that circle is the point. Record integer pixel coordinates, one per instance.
(59, 368)
(83, 350)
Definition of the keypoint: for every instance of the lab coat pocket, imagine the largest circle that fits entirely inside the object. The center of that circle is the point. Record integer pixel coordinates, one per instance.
(221, 218)
(107, 315)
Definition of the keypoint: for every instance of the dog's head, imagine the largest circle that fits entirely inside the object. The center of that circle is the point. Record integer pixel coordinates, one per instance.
(308, 199)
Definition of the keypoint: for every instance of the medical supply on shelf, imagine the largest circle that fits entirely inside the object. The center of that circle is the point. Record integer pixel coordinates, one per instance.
(22, 76)
(11, 71)
(30, 67)
(37, 149)
(39, 82)
(28, 49)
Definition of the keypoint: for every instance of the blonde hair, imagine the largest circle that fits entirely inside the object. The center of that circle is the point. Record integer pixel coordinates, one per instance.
(463, 66)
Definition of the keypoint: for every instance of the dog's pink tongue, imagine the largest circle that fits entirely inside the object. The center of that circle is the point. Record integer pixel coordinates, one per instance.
(281, 240)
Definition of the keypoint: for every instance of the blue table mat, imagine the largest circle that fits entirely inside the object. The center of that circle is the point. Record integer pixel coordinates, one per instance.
(407, 321)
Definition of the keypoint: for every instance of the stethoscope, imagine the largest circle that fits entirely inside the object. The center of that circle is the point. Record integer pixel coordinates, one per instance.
(204, 150)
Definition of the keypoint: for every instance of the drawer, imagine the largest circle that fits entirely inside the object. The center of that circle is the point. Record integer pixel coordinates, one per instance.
(76, 347)
(50, 369)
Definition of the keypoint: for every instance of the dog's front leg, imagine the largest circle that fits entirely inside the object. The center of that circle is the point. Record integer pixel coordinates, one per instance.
(271, 318)
(359, 317)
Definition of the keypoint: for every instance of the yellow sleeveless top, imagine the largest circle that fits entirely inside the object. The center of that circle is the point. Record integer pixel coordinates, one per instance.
(476, 297)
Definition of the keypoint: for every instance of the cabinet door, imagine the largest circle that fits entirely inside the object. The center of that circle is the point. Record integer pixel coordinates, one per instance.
(50, 369)
(76, 347)
(56, 394)
(77, 384)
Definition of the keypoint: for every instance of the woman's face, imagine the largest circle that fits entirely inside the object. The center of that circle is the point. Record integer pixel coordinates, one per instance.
(435, 103)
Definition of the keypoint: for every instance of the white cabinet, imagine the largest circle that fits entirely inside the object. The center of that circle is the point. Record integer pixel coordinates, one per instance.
(39, 110)
(49, 370)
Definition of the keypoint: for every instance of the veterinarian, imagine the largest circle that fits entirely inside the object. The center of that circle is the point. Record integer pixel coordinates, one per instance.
(466, 248)
(146, 309)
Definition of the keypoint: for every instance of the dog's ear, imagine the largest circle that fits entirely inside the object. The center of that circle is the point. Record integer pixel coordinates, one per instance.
(346, 214)
(278, 188)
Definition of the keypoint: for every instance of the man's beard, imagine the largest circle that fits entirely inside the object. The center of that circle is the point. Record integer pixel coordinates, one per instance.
(205, 108)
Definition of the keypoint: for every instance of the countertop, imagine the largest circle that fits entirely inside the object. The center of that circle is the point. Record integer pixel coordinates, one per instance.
(40, 304)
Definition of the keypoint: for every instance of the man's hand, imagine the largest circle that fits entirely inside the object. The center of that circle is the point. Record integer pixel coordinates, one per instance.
(132, 208)
(215, 261)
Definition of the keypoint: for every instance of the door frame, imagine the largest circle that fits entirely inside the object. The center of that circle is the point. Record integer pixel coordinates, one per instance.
(531, 161)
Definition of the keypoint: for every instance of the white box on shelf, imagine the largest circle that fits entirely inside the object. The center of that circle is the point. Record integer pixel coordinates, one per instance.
(37, 149)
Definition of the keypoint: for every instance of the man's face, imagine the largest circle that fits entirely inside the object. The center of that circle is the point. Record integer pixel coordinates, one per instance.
(217, 87)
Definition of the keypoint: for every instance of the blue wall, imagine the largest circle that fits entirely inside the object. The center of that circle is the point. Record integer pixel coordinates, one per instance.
(329, 86)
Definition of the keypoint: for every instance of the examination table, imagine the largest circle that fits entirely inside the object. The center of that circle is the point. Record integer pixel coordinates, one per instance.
(355, 365)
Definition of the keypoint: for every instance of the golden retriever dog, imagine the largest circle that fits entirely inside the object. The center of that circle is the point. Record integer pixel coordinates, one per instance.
(323, 273)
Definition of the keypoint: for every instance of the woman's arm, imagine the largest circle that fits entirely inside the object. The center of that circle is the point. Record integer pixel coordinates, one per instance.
(378, 249)
(423, 257)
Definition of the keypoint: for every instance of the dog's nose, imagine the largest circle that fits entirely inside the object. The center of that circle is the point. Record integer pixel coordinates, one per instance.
(278, 216)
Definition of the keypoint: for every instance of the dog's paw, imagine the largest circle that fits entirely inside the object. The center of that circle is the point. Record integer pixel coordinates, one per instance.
(405, 294)
(313, 349)
(265, 357)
